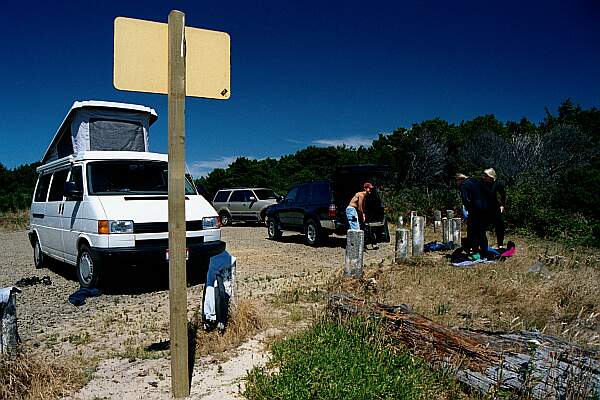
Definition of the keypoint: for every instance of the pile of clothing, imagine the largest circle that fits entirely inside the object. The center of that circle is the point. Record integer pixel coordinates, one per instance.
(461, 258)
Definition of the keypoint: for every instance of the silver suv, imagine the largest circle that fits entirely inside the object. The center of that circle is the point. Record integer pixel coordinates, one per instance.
(243, 204)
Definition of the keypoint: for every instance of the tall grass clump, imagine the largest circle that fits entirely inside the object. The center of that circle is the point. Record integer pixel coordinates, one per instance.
(11, 221)
(31, 376)
(349, 360)
(244, 322)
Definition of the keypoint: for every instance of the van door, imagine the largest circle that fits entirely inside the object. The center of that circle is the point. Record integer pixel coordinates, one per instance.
(38, 209)
(53, 214)
(72, 221)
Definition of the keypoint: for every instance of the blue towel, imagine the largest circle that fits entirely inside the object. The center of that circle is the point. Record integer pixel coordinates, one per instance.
(78, 298)
(437, 246)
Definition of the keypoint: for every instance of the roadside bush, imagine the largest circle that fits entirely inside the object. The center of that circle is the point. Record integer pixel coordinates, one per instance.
(343, 361)
(31, 376)
(422, 200)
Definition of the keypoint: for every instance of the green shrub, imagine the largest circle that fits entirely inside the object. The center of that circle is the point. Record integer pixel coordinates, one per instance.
(335, 361)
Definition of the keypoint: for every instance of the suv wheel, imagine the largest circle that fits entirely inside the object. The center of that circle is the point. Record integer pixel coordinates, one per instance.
(39, 258)
(225, 218)
(88, 267)
(273, 229)
(312, 233)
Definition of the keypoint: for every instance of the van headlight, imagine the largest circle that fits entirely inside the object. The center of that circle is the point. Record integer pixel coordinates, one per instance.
(210, 222)
(118, 226)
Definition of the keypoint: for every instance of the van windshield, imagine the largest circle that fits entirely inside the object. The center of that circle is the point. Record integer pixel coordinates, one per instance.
(130, 177)
(265, 194)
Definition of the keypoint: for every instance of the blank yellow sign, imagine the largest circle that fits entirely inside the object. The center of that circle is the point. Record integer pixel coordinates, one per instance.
(141, 59)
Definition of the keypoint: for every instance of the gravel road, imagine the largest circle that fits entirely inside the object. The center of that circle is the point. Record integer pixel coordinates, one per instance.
(122, 319)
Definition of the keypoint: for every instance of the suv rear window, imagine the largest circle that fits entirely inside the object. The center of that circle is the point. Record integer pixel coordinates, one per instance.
(265, 194)
(321, 192)
(222, 196)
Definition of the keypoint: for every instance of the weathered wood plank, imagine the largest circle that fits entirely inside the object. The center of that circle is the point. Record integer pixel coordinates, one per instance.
(528, 363)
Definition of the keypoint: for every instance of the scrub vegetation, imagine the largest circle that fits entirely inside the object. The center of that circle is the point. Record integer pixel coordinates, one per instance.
(341, 359)
(34, 376)
(334, 360)
(551, 169)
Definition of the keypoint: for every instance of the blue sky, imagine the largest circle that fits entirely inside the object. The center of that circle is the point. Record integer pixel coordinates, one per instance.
(310, 72)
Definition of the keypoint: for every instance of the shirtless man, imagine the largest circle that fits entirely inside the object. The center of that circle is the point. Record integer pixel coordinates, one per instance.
(355, 212)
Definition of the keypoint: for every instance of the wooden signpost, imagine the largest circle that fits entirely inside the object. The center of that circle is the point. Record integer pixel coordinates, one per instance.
(179, 61)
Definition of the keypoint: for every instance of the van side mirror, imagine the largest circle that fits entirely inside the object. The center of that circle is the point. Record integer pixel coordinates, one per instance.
(71, 191)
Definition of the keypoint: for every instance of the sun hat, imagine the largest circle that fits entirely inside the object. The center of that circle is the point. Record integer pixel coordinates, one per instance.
(490, 172)
(460, 176)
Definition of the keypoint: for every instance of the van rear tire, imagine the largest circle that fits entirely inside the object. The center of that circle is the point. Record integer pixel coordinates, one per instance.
(88, 267)
(39, 258)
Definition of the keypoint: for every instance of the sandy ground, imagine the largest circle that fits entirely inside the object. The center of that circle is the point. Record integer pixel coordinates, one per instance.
(114, 329)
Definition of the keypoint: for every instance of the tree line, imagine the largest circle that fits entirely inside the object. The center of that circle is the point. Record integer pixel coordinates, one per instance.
(551, 169)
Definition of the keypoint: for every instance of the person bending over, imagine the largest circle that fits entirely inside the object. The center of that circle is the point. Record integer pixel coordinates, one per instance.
(355, 212)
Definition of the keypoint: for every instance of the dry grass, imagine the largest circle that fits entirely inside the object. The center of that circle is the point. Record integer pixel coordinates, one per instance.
(32, 376)
(501, 296)
(14, 221)
(244, 323)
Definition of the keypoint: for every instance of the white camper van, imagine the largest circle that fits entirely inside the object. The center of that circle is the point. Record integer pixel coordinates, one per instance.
(101, 196)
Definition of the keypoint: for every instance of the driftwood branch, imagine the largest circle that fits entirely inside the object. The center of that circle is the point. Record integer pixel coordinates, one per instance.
(527, 363)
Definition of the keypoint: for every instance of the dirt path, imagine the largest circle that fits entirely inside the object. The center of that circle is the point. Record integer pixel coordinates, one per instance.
(284, 278)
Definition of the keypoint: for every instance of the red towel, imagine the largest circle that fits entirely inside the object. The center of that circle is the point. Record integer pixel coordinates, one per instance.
(509, 252)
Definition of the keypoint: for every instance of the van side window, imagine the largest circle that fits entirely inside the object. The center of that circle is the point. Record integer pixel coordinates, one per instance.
(77, 177)
(58, 185)
(42, 188)
(222, 196)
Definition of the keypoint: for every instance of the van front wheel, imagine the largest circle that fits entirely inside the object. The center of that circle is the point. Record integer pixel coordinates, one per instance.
(88, 267)
(39, 258)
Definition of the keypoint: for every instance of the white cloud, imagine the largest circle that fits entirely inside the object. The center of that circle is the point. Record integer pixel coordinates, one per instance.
(204, 167)
(350, 141)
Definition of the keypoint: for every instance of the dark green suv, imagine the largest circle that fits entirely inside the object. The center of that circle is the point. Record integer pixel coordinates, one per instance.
(318, 209)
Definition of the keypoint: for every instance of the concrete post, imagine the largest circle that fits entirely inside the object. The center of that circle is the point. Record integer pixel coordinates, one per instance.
(401, 244)
(400, 221)
(418, 231)
(8, 321)
(413, 214)
(437, 220)
(355, 245)
(449, 216)
(445, 238)
(456, 231)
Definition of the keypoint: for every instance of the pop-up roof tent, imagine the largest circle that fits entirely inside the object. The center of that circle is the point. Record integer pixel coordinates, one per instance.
(101, 125)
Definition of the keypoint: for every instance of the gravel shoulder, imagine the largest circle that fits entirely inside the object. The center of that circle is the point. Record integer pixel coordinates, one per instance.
(111, 329)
